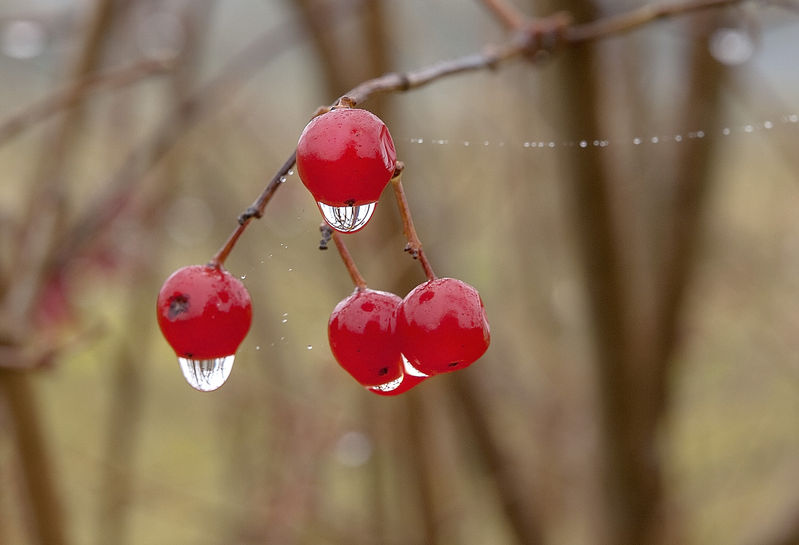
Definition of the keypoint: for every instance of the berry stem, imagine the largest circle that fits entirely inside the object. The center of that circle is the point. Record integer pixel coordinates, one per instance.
(414, 246)
(346, 257)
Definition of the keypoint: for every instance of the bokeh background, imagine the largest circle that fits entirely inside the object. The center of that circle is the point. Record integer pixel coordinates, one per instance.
(627, 210)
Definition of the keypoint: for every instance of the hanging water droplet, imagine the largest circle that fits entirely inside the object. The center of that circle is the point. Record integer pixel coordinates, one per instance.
(309, 347)
(291, 172)
(387, 386)
(206, 375)
(410, 369)
(347, 219)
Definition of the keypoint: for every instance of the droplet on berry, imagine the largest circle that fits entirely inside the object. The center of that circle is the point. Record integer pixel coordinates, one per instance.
(204, 313)
(345, 158)
(206, 375)
(362, 336)
(442, 326)
(347, 219)
(387, 387)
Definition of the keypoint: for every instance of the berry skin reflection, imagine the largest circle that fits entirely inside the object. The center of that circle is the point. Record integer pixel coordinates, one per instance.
(345, 158)
(204, 313)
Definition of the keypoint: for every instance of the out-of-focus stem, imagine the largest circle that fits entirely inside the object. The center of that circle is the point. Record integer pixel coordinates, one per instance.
(414, 246)
(346, 257)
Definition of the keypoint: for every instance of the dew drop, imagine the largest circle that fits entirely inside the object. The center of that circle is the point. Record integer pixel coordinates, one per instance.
(282, 179)
(583, 144)
(284, 320)
(731, 46)
(636, 141)
(655, 140)
(291, 172)
(206, 375)
(23, 39)
(726, 131)
(768, 125)
(309, 347)
(353, 449)
(347, 219)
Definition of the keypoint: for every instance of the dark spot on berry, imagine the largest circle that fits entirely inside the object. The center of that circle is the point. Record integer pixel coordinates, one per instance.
(350, 202)
(382, 371)
(454, 364)
(178, 304)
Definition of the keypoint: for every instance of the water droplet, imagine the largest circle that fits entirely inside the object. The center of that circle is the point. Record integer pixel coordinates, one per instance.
(583, 144)
(466, 143)
(636, 141)
(206, 375)
(410, 369)
(284, 320)
(700, 134)
(655, 140)
(678, 138)
(768, 125)
(347, 219)
(353, 449)
(23, 39)
(726, 131)
(291, 172)
(552, 144)
(258, 347)
(731, 46)
(243, 277)
(486, 142)
(387, 386)
(282, 179)
(309, 347)
(748, 128)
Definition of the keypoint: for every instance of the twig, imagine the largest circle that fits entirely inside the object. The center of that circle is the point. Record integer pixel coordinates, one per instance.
(78, 90)
(559, 31)
(346, 257)
(625, 22)
(414, 246)
(507, 14)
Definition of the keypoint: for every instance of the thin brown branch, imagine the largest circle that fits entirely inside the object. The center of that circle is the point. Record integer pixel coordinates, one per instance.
(506, 13)
(346, 257)
(558, 30)
(79, 90)
(624, 22)
(414, 246)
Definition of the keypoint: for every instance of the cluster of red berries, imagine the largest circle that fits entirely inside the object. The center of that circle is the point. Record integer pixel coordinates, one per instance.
(345, 158)
(390, 344)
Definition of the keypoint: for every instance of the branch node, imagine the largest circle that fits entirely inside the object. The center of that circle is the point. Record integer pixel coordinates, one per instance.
(327, 232)
(250, 213)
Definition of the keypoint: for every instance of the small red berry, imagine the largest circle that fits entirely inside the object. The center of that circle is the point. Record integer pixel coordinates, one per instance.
(362, 335)
(410, 378)
(204, 313)
(443, 326)
(345, 158)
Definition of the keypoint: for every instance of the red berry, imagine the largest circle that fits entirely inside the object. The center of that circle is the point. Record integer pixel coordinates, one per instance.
(345, 158)
(442, 326)
(362, 335)
(410, 378)
(204, 312)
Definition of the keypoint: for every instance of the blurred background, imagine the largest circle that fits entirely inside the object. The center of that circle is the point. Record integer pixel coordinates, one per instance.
(627, 210)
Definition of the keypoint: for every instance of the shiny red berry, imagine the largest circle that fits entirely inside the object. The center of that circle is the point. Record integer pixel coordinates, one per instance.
(410, 378)
(443, 326)
(345, 158)
(204, 312)
(362, 335)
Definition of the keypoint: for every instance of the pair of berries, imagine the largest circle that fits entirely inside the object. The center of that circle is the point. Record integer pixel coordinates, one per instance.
(390, 344)
(345, 158)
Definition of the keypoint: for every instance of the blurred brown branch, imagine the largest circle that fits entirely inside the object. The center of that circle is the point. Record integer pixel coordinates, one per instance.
(65, 98)
(539, 35)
